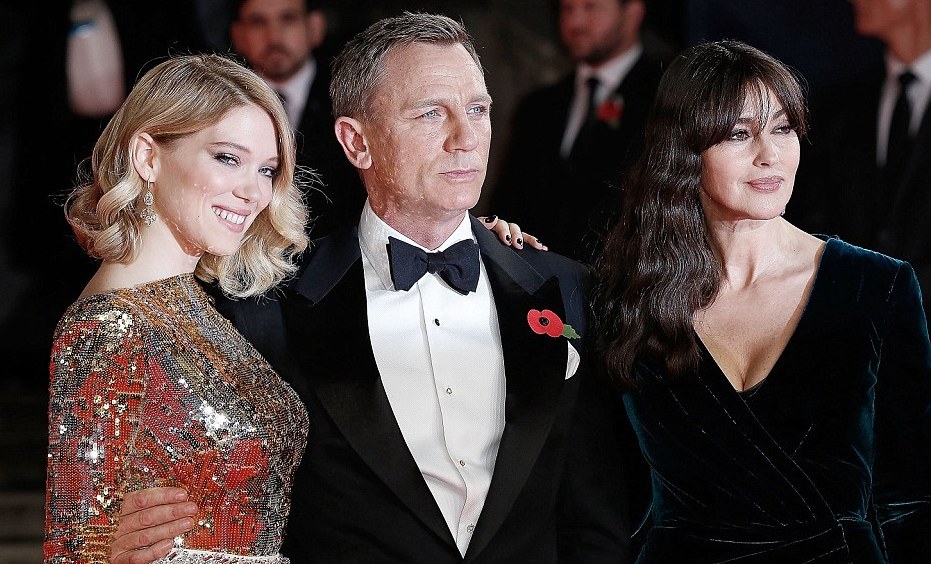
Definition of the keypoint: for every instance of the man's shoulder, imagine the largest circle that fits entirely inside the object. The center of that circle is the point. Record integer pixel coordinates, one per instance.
(341, 241)
(326, 261)
(551, 261)
(235, 308)
(572, 274)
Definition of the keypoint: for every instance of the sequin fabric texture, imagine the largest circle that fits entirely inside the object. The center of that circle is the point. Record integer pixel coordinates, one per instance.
(151, 386)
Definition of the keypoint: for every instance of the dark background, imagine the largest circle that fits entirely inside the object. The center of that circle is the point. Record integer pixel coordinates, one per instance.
(42, 269)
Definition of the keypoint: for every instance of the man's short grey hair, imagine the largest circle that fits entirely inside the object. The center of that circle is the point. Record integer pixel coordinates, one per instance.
(359, 65)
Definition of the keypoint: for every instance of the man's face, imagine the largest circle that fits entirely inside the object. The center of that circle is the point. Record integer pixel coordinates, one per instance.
(594, 31)
(276, 36)
(427, 134)
(881, 18)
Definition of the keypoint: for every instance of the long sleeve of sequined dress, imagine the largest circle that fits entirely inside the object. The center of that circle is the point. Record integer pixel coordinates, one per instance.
(150, 386)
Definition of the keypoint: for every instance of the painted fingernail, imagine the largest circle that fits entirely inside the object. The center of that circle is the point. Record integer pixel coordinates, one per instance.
(491, 219)
(520, 241)
(507, 238)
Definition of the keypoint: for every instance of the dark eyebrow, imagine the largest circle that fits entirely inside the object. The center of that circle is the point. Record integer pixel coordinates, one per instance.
(751, 119)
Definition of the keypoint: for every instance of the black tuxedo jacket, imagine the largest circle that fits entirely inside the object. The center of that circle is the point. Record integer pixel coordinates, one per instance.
(338, 196)
(557, 491)
(842, 191)
(570, 202)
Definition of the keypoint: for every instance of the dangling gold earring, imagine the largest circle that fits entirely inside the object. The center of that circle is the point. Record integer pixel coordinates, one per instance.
(148, 214)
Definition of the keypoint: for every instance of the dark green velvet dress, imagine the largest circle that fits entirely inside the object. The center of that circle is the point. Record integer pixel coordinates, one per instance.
(827, 460)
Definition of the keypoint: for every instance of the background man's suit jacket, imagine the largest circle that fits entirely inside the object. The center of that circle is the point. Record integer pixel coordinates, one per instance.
(569, 202)
(338, 198)
(557, 488)
(841, 192)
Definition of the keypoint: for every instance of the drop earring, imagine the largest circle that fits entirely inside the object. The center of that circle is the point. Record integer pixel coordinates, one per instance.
(148, 214)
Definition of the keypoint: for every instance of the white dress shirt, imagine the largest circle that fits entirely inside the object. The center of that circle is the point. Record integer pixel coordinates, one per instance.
(442, 365)
(610, 75)
(296, 90)
(918, 95)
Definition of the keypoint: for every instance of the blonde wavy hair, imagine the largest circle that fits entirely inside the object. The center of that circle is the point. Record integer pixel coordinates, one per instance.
(178, 97)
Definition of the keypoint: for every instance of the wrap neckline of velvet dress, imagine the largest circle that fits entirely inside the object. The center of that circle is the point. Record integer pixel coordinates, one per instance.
(707, 357)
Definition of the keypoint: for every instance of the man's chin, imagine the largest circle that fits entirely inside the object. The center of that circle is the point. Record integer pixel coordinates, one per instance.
(579, 53)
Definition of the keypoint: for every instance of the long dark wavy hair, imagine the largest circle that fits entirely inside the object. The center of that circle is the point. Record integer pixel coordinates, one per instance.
(658, 268)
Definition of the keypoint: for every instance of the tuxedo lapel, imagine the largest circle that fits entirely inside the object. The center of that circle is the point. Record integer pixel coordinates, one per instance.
(327, 326)
(535, 368)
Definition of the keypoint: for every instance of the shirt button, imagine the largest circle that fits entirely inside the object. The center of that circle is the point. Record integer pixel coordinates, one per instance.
(462, 463)
(436, 322)
(471, 527)
(449, 391)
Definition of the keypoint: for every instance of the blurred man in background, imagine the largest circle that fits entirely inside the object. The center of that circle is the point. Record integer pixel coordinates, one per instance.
(572, 141)
(279, 39)
(872, 149)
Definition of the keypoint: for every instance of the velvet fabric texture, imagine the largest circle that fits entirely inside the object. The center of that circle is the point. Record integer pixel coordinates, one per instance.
(827, 460)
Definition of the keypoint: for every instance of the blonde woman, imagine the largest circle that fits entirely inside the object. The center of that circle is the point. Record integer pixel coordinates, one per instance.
(191, 181)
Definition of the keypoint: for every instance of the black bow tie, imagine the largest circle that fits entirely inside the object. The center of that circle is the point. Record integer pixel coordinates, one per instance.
(457, 265)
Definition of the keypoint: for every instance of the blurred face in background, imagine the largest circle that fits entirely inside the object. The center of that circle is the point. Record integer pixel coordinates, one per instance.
(276, 37)
(881, 18)
(594, 31)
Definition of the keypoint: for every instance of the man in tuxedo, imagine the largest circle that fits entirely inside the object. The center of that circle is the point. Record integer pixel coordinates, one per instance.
(868, 180)
(279, 39)
(572, 141)
(454, 414)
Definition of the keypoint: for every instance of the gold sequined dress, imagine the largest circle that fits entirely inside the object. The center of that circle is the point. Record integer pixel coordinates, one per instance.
(151, 386)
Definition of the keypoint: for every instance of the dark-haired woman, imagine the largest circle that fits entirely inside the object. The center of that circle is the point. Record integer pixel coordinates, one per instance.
(779, 383)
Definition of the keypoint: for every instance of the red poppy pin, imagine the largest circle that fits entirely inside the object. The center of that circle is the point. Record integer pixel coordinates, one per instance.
(547, 322)
(611, 110)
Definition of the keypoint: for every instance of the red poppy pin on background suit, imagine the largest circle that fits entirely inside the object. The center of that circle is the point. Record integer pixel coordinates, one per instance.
(611, 110)
(548, 323)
